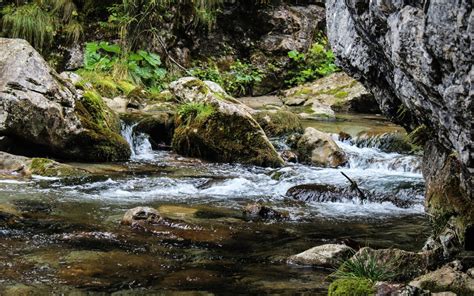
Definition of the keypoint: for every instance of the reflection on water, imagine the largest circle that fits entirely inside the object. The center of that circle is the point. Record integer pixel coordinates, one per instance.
(65, 235)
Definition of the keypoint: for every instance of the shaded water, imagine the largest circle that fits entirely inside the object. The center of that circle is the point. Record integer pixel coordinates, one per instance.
(69, 237)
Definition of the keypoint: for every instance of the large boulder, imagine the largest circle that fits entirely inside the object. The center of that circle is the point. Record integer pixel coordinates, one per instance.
(279, 123)
(416, 58)
(216, 127)
(319, 148)
(39, 108)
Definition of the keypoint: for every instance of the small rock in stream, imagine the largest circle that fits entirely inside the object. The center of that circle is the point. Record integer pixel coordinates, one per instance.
(141, 214)
(329, 255)
(257, 210)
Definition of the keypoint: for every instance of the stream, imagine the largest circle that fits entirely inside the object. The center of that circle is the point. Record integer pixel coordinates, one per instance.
(71, 240)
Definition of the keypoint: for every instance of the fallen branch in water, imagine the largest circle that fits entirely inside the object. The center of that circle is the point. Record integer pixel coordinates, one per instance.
(354, 186)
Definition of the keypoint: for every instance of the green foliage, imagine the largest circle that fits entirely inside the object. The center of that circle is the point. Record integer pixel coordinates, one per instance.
(351, 287)
(141, 67)
(318, 62)
(40, 22)
(197, 111)
(362, 266)
(28, 22)
(238, 80)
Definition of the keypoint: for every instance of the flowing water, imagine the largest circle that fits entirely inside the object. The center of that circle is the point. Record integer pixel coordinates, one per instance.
(70, 239)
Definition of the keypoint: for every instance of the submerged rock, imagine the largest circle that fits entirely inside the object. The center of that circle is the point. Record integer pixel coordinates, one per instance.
(260, 211)
(39, 108)
(159, 126)
(319, 148)
(145, 215)
(449, 278)
(318, 193)
(329, 255)
(216, 127)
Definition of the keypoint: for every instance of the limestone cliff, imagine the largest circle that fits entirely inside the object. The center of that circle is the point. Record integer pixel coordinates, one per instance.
(416, 57)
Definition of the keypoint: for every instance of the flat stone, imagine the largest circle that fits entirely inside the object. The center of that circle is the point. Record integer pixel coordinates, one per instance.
(329, 255)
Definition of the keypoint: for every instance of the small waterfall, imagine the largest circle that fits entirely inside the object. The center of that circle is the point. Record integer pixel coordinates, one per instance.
(139, 143)
(370, 156)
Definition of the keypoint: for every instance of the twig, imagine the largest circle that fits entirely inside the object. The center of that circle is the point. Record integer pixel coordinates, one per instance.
(356, 187)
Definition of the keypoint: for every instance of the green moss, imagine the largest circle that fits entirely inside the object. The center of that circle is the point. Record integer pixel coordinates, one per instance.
(341, 94)
(303, 92)
(279, 123)
(195, 111)
(351, 287)
(49, 168)
(199, 85)
(94, 104)
(126, 87)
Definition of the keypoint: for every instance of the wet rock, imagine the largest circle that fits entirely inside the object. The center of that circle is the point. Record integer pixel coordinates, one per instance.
(42, 109)
(386, 288)
(318, 193)
(20, 166)
(9, 214)
(329, 255)
(221, 129)
(336, 92)
(402, 265)
(289, 156)
(449, 278)
(279, 123)
(319, 149)
(145, 215)
(343, 136)
(387, 142)
(260, 211)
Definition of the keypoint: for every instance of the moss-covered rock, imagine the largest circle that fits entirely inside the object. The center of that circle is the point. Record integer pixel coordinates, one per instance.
(216, 127)
(351, 287)
(336, 92)
(279, 123)
(42, 109)
(50, 168)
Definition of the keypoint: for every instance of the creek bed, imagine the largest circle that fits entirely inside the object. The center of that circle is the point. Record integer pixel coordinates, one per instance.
(70, 239)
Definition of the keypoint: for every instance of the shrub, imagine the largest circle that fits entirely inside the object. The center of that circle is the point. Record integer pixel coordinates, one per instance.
(238, 80)
(319, 61)
(41, 21)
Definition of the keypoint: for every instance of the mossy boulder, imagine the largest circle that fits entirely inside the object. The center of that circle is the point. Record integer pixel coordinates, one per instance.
(216, 127)
(42, 109)
(279, 123)
(336, 92)
(319, 149)
(351, 287)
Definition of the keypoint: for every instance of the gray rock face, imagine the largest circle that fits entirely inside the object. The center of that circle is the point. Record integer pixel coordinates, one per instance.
(38, 107)
(415, 56)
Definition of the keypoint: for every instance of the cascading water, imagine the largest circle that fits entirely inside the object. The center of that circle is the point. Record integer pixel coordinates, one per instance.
(390, 178)
(139, 143)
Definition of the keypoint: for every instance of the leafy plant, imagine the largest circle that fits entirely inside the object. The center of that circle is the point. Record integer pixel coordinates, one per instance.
(141, 67)
(363, 266)
(238, 80)
(318, 62)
